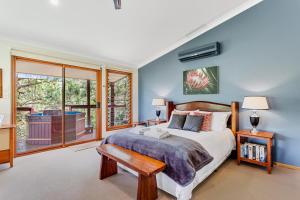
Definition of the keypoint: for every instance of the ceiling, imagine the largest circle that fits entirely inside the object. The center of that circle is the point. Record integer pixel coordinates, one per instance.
(140, 32)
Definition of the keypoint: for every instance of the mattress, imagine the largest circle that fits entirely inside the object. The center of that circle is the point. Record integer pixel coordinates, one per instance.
(219, 144)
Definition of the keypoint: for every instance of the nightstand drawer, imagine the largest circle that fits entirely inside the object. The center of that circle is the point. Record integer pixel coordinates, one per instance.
(4, 156)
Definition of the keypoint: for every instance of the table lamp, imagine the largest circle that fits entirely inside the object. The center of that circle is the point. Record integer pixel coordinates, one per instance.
(255, 103)
(158, 103)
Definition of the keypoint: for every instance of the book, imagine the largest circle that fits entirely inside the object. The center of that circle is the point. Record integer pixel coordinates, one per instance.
(257, 152)
(250, 151)
(245, 150)
(253, 151)
(242, 154)
(262, 153)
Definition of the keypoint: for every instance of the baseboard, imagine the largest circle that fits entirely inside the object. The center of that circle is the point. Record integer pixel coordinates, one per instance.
(287, 166)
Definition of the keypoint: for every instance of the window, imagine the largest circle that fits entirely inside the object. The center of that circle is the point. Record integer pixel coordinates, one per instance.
(119, 99)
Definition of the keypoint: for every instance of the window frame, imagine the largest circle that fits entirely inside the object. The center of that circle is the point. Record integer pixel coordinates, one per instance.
(129, 74)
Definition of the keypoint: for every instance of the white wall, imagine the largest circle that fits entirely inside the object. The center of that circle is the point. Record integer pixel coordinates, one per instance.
(8, 48)
(5, 102)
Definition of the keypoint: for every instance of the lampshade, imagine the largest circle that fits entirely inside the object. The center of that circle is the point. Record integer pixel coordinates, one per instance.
(158, 102)
(255, 103)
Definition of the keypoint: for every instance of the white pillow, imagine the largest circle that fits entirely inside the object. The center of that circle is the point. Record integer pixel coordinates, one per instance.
(201, 111)
(183, 112)
(219, 120)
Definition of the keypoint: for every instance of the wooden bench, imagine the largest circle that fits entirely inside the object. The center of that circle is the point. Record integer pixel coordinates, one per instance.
(146, 167)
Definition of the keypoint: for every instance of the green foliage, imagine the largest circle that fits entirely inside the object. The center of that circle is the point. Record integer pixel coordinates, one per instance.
(39, 94)
(121, 98)
(46, 94)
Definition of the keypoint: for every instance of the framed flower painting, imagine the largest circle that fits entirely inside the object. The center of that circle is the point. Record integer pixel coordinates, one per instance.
(201, 81)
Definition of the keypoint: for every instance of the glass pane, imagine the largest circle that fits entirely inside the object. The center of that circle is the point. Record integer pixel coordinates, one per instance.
(118, 112)
(80, 101)
(38, 100)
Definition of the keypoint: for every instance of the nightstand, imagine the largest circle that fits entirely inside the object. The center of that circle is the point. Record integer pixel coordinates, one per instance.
(267, 136)
(7, 152)
(152, 122)
(135, 124)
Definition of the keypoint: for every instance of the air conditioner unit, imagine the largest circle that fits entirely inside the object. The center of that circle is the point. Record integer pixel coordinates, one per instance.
(212, 49)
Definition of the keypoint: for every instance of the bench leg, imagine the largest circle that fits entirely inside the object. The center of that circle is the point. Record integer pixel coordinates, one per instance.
(108, 167)
(147, 188)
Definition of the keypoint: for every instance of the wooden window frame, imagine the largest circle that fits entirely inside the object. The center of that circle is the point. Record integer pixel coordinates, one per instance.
(129, 74)
(63, 67)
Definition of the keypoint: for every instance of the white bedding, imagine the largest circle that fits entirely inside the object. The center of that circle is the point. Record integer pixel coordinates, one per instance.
(219, 144)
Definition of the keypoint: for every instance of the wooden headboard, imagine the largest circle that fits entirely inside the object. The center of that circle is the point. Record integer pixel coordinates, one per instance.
(233, 122)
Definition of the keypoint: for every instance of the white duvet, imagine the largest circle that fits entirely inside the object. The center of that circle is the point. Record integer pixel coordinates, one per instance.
(219, 144)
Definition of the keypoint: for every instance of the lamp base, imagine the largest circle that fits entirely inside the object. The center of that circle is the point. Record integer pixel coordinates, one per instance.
(254, 119)
(157, 115)
(253, 130)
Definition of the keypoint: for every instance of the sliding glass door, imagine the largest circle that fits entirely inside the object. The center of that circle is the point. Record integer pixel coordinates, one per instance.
(39, 102)
(55, 105)
(119, 99)
(80, 105)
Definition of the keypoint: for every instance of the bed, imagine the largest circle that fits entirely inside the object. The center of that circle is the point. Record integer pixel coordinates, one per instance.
(218, 143)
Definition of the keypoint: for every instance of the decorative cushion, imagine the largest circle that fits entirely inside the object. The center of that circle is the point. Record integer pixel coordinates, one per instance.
(177, 121)
(193, 123)
(207, 120)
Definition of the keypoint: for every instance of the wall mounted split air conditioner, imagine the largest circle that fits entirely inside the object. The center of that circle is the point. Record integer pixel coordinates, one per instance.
(212, 49)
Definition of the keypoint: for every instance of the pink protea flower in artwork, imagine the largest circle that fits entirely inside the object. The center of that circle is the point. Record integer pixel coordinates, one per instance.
(197, 80)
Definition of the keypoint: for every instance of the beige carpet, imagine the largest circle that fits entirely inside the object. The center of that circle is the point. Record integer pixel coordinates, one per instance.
(67, 174)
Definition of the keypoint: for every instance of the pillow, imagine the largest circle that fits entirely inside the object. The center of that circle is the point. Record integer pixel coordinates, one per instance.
(179, 112)
(219, 120)
(193, 123)
(207, 120)
(177, 121)
(201, 111)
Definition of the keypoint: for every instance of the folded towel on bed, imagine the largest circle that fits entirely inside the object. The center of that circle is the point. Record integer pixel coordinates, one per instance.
(139, 130)
(157, 133)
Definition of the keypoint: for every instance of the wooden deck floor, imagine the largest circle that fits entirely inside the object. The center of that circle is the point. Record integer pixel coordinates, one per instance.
(22, 146)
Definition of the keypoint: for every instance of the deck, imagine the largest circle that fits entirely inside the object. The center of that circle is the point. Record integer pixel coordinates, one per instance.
(22, 146)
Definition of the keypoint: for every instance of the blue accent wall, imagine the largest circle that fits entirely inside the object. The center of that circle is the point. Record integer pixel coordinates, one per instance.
(260, 56)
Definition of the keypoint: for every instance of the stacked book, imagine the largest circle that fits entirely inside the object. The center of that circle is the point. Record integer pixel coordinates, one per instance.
(254, 151)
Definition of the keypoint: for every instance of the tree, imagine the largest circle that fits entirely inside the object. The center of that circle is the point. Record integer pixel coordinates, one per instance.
(45, 93)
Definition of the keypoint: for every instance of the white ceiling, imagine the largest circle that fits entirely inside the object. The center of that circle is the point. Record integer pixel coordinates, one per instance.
(133, 36)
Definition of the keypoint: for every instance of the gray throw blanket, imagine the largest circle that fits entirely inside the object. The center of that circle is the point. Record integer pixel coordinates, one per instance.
(183, 157)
